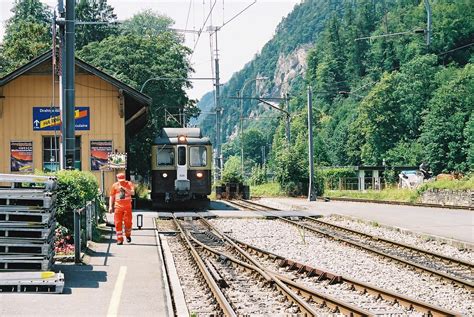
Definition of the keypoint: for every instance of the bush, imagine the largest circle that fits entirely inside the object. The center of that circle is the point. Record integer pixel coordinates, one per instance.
(331, 175)
(74, 189)
(232, 171)
(259, 175)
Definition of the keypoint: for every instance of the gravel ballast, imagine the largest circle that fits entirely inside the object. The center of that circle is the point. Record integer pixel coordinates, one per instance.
(304, 247)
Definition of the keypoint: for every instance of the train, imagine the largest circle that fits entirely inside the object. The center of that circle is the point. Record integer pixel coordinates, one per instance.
(181, 169)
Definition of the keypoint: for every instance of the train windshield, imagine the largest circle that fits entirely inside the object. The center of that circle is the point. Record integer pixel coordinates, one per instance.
(165, 156)
(198, 156)
(181, 155)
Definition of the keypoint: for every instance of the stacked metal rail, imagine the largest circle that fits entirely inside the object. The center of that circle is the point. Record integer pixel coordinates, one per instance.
(27, 230)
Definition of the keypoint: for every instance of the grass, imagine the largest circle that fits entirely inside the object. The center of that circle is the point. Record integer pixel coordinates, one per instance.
(467, 183)
(392, 194)
(266, 190)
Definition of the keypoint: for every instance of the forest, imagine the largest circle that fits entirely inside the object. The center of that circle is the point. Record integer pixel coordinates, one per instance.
(391, 99)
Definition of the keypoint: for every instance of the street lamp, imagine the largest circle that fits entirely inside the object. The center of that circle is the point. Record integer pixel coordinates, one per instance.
(241, 96)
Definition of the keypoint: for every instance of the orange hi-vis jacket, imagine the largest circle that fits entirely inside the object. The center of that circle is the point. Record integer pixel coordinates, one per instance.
(123, 199)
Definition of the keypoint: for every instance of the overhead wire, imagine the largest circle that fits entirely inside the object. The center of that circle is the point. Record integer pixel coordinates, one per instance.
(203, 25)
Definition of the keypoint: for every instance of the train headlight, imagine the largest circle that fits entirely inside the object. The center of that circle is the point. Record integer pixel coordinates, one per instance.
(164, 175)
(199, 174)
(182, 139)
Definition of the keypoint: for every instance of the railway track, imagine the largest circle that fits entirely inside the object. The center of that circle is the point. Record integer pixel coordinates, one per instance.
(320, 283)
(293, 287)
(453, 270)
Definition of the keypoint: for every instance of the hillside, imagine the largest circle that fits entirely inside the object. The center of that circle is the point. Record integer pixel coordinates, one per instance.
(392, 99)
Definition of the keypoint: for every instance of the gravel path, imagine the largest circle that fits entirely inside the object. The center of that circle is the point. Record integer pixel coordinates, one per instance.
(415, 240)
(338, 258)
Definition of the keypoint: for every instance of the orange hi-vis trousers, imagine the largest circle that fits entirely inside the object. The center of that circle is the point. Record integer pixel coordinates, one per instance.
(124, 215)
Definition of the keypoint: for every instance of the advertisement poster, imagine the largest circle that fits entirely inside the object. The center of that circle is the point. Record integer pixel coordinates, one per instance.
(21, 156)
(100, 151)
(49, 119)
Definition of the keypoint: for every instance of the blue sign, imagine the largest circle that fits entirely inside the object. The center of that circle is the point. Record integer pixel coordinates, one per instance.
(49, 119)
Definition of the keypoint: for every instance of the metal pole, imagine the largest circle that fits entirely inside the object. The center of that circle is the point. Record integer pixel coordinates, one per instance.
(288, 122)
(241, 135)
(311, 194)
(69, 89)
(218, 123)
(428, 22)
(62, 85)
(77, 237)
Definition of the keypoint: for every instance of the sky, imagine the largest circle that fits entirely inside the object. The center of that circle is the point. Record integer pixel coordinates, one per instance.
(238, 41)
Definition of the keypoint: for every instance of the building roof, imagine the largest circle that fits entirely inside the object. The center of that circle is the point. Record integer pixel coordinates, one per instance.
(136, 103)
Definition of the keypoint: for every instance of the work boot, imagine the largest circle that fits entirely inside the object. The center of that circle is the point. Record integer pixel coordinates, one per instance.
(119, 242)
(129, 239)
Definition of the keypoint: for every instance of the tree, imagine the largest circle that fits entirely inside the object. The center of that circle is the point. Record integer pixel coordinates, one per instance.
(444, 128)
(27, 34)
(133, 59)
(94, 11)
(147, 23)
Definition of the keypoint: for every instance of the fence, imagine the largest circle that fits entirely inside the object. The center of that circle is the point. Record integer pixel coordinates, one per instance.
(353, 183)
(85, 223)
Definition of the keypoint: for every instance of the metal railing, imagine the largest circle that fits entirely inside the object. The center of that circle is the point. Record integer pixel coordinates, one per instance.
(85, 223)
(352, 183)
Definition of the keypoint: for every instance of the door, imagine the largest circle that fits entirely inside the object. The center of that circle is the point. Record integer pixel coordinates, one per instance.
(182, 172)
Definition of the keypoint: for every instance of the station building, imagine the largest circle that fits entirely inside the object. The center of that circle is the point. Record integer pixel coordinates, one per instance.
(107, 114)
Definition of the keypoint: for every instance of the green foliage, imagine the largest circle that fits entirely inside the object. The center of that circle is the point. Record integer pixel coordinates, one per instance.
(27, 34)
(266, 190)
(466, 183)
(134, 58)
(390, 194)
(232, 171)
(444, 127)
(258, 175)
(75, 188)
(94, 11)
(147, 23)
(331, 176)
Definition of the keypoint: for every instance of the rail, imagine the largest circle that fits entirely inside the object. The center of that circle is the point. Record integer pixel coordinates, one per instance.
(417, 266)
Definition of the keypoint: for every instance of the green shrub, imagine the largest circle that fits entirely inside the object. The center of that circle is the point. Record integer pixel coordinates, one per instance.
(74, 189)
(266, 190)
(232, 171)
(331, 176)
(259, 175)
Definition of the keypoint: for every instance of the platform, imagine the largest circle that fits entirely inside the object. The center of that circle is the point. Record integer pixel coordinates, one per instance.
(117, 281)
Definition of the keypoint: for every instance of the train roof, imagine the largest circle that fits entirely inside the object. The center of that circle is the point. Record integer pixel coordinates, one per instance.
(171, 135)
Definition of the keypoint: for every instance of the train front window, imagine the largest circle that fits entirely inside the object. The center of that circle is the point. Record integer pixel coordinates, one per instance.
(165, 156)
(181, 155)
(198, 156)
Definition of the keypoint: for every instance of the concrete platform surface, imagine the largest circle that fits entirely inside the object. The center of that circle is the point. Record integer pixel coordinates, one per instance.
(121, 280)
(448, 223)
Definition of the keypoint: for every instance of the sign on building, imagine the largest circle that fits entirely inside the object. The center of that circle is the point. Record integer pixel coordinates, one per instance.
(100, 151)
(49, 118)
(21, 156)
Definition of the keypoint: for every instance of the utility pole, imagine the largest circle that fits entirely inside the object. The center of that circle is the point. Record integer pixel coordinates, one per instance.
(428, 22)
(288, 119)
(69, 90)
(218, 159)
(67, 103)
(311, 193)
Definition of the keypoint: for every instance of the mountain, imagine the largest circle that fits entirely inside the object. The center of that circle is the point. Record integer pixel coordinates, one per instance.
(386, 89)
(282, 60)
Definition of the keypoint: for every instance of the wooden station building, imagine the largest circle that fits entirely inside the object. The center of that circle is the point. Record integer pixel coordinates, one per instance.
(107, 114)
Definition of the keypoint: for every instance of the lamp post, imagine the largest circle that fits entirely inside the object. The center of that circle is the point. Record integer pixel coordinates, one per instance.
(241, 96)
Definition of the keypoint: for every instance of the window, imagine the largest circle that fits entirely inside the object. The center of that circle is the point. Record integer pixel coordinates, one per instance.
(198, 156)
(165, 156)
(51, 153)
(181, 155)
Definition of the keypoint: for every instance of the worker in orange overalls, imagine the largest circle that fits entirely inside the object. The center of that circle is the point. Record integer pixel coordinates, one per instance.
(120, 202)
